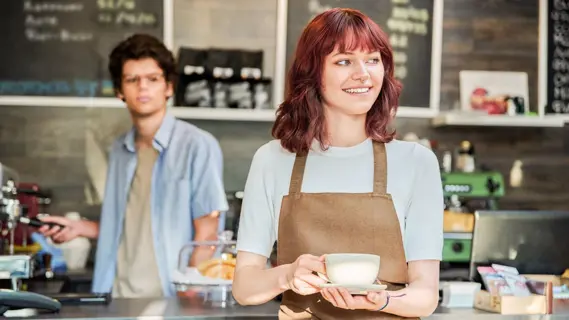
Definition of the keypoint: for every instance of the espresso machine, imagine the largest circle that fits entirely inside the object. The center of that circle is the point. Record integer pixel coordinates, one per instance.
(16, 266)
(12, 267)
(18, 212)
(465, 193)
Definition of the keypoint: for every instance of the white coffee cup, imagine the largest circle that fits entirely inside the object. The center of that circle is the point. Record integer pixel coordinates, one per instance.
(352, 268)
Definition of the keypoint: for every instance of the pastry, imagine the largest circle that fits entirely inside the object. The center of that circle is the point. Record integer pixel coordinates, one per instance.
(220, 268)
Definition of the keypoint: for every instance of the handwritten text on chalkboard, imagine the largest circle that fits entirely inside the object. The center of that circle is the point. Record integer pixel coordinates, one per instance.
(124, 12)
(61, 47)
(559, 56)
(405, 19)
(42, 22)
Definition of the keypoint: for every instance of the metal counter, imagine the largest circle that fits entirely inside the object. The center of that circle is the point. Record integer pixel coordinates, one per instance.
(138, 309)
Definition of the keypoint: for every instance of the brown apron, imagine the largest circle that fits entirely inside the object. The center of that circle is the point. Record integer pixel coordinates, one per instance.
(320, 223)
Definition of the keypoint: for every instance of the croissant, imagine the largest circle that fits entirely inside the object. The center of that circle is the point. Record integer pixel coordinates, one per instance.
(218, 268)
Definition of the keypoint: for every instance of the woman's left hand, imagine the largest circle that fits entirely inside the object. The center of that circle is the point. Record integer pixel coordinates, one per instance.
(341, 298)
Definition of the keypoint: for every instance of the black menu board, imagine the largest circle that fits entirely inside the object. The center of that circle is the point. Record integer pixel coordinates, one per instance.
(61, 47)
(409, 24)
(557, 55)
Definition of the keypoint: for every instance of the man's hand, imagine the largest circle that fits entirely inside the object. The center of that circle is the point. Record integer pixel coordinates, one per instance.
(71, 229)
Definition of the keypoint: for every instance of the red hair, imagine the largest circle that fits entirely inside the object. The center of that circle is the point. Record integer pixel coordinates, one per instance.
(300, 118)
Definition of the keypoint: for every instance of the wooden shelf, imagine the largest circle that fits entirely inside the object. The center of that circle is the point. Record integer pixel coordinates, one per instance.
(473, 119)
(438, 120)
(178, 111)
(222, 114)
(72, 102)
(266, 115)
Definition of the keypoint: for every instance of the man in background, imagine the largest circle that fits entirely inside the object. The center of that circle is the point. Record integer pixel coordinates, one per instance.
(164, 183)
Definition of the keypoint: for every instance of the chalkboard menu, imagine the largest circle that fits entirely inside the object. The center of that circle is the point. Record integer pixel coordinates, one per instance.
(61, 47)
(557, 57)
(409, 24)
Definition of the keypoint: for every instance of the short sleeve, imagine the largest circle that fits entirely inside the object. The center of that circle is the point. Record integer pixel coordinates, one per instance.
(207, 178)
(424, 220)
(256, 232)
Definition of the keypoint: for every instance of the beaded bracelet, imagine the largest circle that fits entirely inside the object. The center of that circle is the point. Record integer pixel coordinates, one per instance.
(386, 302)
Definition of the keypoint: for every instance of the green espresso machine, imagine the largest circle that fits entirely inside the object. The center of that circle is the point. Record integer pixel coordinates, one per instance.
(466, 193)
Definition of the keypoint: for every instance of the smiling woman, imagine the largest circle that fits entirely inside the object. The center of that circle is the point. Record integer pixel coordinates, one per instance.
(345, 52)
(336, 181)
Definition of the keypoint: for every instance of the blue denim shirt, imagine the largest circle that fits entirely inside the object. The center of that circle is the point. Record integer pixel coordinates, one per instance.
(187, 183)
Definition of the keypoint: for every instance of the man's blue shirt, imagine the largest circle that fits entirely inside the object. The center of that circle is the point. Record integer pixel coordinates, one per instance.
(187, 183)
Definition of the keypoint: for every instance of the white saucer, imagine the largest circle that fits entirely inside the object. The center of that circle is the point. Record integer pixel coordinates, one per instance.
(356, 289)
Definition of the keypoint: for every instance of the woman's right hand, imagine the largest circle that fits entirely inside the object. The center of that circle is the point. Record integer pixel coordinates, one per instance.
(301, 278)
(70, 229)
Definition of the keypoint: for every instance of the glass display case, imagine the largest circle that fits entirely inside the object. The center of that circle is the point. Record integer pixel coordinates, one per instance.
(210, 276)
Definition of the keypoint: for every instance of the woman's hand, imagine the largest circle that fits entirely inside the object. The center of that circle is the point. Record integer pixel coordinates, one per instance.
(300, 276)
(256, 284)
(341, 298)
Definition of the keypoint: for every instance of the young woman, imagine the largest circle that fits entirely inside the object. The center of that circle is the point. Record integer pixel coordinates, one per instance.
(336, 181)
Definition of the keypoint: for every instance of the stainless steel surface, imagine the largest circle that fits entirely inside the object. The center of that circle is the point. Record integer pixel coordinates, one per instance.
(19, 266)
(122, 309)
(529, 240)
(458, 235)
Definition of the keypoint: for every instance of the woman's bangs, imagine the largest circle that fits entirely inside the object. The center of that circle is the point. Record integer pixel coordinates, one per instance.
(358, 37)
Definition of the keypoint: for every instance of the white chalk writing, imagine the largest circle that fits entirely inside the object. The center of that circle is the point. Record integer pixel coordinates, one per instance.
(39, 21)
(405, 21)
(62, 35)
(124, 13)
(42, 6)
(561, 4)
(559, 57)
(315, 8)
(135, 18)
(44, 23)
(116, 4)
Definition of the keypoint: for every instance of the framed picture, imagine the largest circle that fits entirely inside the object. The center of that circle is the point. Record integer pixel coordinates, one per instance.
(494, 92)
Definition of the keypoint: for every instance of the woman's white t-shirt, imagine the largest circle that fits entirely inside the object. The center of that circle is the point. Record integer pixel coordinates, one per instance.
(413, 180)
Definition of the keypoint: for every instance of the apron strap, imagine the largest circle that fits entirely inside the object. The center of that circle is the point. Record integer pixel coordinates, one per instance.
(297, 174)
(379, 168)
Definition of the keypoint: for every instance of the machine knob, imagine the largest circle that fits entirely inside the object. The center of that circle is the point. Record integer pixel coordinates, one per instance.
(492, 185)
(457, 247)
(46, 259)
